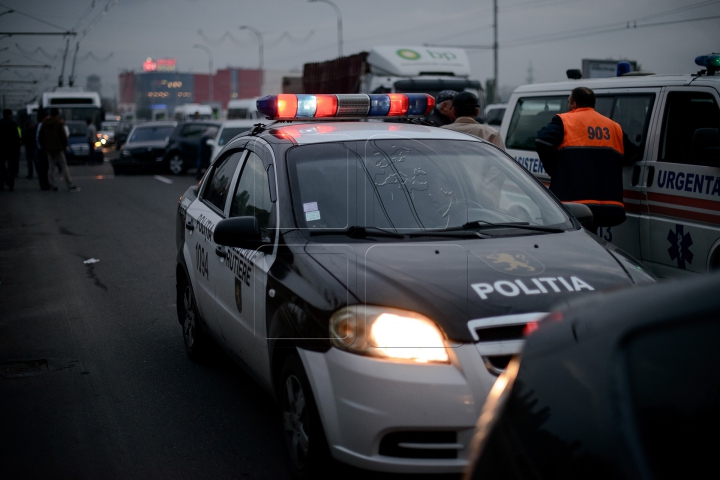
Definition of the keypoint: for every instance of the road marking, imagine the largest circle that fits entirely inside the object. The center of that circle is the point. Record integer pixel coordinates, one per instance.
(163, 179)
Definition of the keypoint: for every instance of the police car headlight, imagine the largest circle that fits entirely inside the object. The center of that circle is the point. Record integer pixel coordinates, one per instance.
(388, 333)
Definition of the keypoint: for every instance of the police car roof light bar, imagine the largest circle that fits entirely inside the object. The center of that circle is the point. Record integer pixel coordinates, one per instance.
(305, 106)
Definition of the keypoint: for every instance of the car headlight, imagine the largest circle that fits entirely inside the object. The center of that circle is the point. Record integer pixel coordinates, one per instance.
(389, 333)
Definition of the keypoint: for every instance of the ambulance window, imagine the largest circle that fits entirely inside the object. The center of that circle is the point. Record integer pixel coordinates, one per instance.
(632, 112)
(530, 115)
(685, 112)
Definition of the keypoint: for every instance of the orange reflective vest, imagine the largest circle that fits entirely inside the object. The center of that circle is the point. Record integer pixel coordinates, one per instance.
(589, 164)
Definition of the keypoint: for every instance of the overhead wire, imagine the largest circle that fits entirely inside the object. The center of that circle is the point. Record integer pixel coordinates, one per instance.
(36, 18)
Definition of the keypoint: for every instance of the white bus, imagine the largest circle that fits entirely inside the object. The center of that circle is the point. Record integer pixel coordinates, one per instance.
(74, 104)
(188, 111)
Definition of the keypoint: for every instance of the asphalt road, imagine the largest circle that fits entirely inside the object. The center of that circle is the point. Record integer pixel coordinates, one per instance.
(94, 380)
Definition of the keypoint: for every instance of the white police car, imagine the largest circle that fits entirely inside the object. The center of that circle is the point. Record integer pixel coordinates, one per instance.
(672, 188)
(375, 277)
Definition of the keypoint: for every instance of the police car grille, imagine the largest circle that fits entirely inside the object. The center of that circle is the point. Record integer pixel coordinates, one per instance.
(420, 444)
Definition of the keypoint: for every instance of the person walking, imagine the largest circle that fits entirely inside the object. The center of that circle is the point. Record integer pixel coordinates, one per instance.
(91, 136)
(41, 159)
(442, 113)
(28, 140)
(465, 108)
(53, 140)
(583, 151)
(9, 150)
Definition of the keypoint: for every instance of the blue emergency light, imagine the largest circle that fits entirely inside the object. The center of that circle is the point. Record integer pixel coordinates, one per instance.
(325, 106)
(711, 62)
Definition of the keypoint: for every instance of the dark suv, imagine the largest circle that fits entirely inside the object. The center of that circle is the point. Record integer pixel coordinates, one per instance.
(183, 146)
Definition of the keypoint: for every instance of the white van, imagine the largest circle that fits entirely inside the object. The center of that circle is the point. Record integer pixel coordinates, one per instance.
(244, 109)
(188, 111)
(672, 190)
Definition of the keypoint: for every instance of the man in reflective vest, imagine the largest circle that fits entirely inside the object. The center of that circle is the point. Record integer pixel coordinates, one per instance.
(582, 151)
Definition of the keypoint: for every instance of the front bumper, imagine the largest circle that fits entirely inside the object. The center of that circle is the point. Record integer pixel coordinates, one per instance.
(399, 417)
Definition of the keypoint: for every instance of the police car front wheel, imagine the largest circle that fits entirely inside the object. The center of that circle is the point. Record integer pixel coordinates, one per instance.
(304, 435)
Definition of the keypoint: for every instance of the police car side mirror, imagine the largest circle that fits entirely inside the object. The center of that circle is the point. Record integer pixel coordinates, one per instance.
(240, 232)
(582, 212)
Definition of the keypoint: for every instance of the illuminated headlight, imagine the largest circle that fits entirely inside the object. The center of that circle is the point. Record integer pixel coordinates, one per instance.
(103, 141)
(97, 144)
(388, 333)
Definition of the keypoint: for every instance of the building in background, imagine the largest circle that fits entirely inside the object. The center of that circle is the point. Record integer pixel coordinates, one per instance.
(154, 92)
(93, 84)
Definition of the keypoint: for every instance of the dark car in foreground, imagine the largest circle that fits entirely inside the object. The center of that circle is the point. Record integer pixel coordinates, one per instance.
(376, 277)
(625, 385)
(145, 148)
(184, 143)
(78, 150)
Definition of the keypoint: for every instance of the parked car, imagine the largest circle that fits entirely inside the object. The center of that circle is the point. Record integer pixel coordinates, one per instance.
(227, 131)
(145, 148)
(625, 385)
(183, 145)
(78, 150)
(494, 114)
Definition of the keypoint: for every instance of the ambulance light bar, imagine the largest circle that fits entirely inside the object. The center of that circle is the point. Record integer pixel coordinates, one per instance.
(711, 62)
(287, 106)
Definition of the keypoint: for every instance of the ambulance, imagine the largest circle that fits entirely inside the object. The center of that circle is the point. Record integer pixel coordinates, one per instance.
(672, 185)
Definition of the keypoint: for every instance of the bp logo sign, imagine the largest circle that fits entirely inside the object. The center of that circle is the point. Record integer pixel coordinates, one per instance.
(408, 54)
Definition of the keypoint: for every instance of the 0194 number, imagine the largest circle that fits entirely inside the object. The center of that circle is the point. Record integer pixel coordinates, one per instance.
(201, 261)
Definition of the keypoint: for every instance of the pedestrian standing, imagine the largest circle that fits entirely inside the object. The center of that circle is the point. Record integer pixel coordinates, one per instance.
(465, 108)
(53, 140)
(204, 151)
(9, 150)
(30, 146)
(583, 151)
(91, 139)
(41, 164)
(442, 113)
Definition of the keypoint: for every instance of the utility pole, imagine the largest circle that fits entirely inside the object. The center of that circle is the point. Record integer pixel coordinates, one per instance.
(210, 67)
(260, 51)
(62, 72)
(339, 23)
(496, 96)
(530, 73)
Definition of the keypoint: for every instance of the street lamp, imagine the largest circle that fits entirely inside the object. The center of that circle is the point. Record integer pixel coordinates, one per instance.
(210, 67)
(339, 18)
(260, 45)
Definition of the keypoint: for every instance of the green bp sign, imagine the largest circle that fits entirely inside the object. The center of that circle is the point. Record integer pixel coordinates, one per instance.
(408, 54)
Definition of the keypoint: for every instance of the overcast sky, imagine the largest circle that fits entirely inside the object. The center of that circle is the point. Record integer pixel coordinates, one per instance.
(296, 31)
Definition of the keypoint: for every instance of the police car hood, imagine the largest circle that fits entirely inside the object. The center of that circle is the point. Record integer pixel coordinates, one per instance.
(455, 281)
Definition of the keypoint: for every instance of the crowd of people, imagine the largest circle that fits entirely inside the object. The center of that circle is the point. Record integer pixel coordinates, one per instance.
(45, 142)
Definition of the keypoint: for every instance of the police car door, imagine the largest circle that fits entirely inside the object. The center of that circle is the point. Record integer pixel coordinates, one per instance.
(683, 187)
(202, 217)
(634, 110)
(241, 292)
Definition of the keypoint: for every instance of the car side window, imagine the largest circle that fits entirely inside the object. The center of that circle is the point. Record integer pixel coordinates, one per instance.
(252, 195)
(530, 115)
(216, 192)
(685, 112)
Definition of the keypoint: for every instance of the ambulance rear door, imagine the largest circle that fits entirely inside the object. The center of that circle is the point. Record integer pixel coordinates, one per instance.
(682, 187)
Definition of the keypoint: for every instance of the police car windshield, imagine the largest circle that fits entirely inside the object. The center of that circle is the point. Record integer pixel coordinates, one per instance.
(150, 134)
(408, 186)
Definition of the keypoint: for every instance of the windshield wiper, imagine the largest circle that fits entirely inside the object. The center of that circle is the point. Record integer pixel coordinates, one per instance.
(521, 225)
(359, 232)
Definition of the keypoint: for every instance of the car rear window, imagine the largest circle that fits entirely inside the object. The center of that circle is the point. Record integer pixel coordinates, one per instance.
(150, 134)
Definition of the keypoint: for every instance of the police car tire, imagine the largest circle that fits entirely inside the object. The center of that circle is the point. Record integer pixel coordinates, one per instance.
(118, 170)
(303, 431)
(194, 338)
(176, 164)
